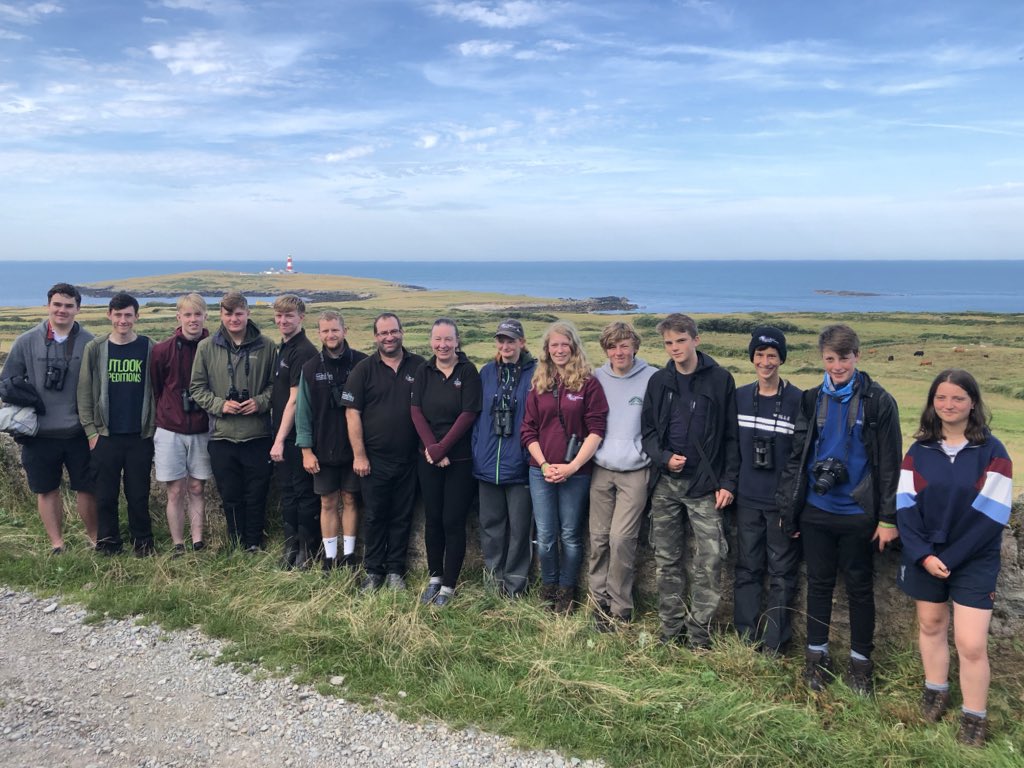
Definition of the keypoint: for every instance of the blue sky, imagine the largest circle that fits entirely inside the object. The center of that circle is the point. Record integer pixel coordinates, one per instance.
(523, 129)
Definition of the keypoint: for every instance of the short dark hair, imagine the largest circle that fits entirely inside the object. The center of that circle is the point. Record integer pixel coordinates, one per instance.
(65, 289)
(233, 301)
(123, 300)
(677, 322)
(930, 428)
(841, 339)
(384, 315)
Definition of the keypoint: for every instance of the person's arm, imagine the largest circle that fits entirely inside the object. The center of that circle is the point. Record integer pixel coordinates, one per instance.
(472, 400)
(595, 420)
(199, 386)
(650, 438)
(287, 422)
(360, 461)
(788, 491)
(157, 373)
(910, 513)
(889, 452)
(729, 478)
(86, 404)
(261, 400)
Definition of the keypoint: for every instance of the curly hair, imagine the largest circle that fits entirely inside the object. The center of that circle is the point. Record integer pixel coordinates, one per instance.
(577, 370)
(977, 430)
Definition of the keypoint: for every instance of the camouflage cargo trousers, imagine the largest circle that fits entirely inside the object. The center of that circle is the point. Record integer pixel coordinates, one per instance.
(670, 509)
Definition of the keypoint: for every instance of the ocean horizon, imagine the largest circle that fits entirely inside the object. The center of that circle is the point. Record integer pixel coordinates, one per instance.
(655, 286)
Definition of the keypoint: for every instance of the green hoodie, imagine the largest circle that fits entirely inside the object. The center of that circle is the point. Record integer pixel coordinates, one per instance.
(253, 363)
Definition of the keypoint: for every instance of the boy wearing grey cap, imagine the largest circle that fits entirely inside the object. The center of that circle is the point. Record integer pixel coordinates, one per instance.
(766, 410)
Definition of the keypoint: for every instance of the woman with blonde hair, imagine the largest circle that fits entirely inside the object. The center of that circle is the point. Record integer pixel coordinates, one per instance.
(566, 415)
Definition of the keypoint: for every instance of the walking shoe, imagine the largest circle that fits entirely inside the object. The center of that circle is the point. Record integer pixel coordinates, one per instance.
(348, 561)
(432, 591)
(934, 704)
(57, 551)
(329, 564)
(143, 549)
(304, 557)
(973, 730)
(668, 639)
(602, 621)
(860, 676)
(198, 546)
(396, 581)
(289, 553)
(372, 583)
(565, 600)
(443, 599)
(818, 671)
(178, 551)
(548, 595)
(253, 549)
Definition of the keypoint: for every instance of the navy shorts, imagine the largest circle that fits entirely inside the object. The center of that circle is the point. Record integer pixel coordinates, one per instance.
(972, 584)
(44, 459)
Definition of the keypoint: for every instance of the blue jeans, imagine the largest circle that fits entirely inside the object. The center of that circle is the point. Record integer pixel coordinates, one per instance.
(558, 513)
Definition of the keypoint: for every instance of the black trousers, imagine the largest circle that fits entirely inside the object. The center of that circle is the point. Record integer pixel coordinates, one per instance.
(447, 498)
(242, 473)
(762, 546)
(389, 493)
(836, 544)
(128, 458)
(300, 506)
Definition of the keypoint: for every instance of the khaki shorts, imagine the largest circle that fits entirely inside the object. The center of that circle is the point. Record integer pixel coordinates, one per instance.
(178, 456)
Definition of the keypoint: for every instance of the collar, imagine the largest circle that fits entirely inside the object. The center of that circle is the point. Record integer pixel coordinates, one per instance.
(844, 393)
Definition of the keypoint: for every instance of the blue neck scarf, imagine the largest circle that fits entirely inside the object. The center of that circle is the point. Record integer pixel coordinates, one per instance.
(844, 393)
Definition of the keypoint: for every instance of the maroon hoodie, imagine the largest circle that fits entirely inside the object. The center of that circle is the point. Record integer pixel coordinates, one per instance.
(170, 370)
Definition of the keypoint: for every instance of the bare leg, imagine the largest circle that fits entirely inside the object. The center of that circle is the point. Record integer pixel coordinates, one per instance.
(86, 504)
(933, 630)
(349, 514)
(51, 511)
(970, 630)
(176, 510)
(329, 515)
(196, 508)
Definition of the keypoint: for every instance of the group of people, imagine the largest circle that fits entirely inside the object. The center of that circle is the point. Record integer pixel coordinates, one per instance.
(535, 443)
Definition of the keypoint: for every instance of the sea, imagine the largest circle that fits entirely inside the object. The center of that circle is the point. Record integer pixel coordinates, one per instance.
(655, 286)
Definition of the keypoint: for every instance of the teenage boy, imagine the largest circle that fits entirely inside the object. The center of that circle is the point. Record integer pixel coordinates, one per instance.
(839, 491)
(321, 433)
(690, 432)
(231, 380)
(115, 406)
(49, 357)
(181, 442)
(299, 503)
(618, 486)
(767, 410)
(384, 443)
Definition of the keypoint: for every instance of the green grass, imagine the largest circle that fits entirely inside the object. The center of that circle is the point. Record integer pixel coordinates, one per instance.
(513, 668)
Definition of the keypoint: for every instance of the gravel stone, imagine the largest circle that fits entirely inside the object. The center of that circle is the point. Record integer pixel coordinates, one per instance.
(117, 695)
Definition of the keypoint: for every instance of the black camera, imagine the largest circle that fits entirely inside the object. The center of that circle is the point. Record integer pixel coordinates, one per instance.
(188, 405)
(236, 396)
(828, 473)
(764, 452)
(337, 396)
(573, 448)
(55, 375)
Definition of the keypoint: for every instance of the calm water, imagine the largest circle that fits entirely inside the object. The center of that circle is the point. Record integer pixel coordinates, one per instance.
(657, 286)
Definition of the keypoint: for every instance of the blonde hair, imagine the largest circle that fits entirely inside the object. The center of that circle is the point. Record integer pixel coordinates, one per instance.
(577, 370)
(193, 300)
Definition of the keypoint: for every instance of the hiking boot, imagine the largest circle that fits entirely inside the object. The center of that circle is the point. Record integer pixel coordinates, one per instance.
(860, 676)
(973, 730)
(818, 670)
(396, 581)
(329, 564)
(565, 600)
(304, 557)
(347, 561)
(934, 704)
(289, 553)
(548, 596)
(178, 551)
(372, 583)
(603, 621)
(143, 549)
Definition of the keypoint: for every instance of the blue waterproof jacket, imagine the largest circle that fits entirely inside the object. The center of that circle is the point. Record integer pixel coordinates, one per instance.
(502, 460)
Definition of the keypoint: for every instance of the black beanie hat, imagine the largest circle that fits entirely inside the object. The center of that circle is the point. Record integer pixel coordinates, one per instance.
(767, 336)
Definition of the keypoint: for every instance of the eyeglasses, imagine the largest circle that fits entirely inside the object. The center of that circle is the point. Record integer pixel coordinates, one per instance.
(385, 334)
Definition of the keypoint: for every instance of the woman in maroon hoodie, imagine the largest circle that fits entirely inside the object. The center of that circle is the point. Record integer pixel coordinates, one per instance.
(566, 413)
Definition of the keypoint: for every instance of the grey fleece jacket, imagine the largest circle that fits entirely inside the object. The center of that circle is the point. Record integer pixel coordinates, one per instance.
(29, 356)
(621, 450)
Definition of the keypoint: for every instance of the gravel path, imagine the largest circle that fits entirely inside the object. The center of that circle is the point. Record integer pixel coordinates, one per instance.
(117, 694)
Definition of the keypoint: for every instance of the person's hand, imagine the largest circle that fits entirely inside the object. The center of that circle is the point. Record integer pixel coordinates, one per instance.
(247, 407)
(883, 535)
(935, 567)
(676, 463)
(230, 408)
(426, 455)
(558, 473)
(277, 451)
(723, 498)
(310, 463)
(93, 440)
(361, 467)
(445, 462)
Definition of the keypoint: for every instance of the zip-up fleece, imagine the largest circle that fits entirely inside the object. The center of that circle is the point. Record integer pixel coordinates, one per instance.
(621, 450)
(170, 371)
(955, 509)
(211, 382)
(93, 385)
(502, 460)
(28, 357)
(721, 432)
(319, 423)
(876, 492)
(585, 413)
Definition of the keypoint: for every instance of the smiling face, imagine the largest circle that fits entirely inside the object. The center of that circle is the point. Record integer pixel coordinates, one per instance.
(559, 349)
(621, 355)
(682, 348)
(332, 334)
(509, 348)
(766, 363)
(840, 368)
(191, 319)
(61, 312)
(388, 333)
(288, 323)
(444, 342)
(122, 323)
(953, 406)
(235, 320)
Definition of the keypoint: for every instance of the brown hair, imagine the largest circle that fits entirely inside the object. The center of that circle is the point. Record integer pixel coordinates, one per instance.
(616, 332)
(841, 339)
(930, 428)
(232, 301)
(677, 322)
(289, 302)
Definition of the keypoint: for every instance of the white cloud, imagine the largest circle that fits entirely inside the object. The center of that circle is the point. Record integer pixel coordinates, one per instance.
(198, 56)
(933, 84)
(428, 141)
(28, 14)
(6, 34)
(153, 20)
(352, 153)
(500, 15)
(18, 106)
(484, 48)
(213, 7)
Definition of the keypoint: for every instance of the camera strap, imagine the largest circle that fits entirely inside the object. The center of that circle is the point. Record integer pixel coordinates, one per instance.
(855, 411)
(68, 344)
(776, 409)
(244, 352)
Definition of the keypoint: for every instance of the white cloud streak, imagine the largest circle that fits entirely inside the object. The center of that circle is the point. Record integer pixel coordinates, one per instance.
(501, 15)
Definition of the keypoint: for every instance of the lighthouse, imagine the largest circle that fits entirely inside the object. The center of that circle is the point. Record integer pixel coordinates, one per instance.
(288, 265)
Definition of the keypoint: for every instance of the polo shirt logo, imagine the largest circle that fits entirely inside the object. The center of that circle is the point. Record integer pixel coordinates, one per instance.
(574, 398)
(347, 397)
(636, 400)
(457, 383)
(410, 378)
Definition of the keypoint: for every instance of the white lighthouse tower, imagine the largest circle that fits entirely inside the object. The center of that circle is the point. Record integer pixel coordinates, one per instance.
(288, 265)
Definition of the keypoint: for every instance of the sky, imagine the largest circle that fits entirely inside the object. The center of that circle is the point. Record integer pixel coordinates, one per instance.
(511, 131)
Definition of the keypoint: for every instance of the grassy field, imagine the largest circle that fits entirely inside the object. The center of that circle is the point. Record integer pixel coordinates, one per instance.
(513, 668)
